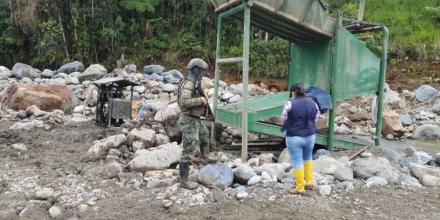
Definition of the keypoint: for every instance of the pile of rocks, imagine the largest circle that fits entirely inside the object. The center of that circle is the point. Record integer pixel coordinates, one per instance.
(406, 115)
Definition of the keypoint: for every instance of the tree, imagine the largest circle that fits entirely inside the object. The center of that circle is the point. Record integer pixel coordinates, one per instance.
(140, 6)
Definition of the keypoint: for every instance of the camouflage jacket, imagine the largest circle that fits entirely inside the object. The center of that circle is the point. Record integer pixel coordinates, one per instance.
(189, 100)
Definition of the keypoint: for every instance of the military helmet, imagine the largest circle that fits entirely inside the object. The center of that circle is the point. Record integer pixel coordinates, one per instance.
(197, 62)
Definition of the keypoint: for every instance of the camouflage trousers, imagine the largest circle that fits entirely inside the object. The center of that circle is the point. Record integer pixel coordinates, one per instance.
(195, 137)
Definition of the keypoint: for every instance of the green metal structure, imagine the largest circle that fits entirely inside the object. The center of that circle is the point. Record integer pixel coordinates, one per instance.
(324, 53)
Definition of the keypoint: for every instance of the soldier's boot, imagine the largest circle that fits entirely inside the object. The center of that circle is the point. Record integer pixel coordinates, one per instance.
(184, 174)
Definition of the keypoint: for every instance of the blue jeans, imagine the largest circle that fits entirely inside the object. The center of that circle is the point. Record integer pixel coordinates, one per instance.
(300, 149)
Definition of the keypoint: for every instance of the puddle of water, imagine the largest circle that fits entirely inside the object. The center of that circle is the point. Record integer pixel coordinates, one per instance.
(431, 147)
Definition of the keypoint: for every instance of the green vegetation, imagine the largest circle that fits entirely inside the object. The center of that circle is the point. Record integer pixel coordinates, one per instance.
(48, 33)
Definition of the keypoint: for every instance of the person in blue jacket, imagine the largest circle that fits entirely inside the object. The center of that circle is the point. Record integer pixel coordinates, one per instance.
(298, 116)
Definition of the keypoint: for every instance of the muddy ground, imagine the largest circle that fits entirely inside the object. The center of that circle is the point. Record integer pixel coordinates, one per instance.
(54, 158)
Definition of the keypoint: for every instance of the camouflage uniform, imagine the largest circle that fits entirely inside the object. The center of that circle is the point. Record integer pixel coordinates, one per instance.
(195, 135)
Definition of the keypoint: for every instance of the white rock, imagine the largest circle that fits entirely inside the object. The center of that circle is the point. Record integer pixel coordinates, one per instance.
(254, 180)
(326, 165)
(157, 158)
(376, 181)
(147, 136)
(44, 194)
(325, 190)
(100, 148)
(55, 212)
(19, 147)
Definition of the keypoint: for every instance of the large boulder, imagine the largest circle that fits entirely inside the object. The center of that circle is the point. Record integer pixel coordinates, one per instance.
(428, 176)
(427, 132)
(344, 174)
(372, 166)
(68, 68)
(47, 73)
(167, 115)
(417, 157)
(157, 158)
(173, 76)
(21, 70)
(150, 69)
(393, 101)
(101, 147)
(46, 98)
(326, 165)
(392, 124)
(5, 72)
(273, 169)
(130, 68)
(244, 173)
(144, 135)
(93, 72)
(216, 176)
(426, 93)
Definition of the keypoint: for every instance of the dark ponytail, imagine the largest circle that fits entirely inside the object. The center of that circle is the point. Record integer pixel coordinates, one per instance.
(298, 89)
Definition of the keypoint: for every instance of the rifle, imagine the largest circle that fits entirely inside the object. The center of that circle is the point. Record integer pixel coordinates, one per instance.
(207, 111)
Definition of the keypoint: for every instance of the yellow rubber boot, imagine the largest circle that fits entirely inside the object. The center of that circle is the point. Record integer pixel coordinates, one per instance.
(299, 182)
(308, 174)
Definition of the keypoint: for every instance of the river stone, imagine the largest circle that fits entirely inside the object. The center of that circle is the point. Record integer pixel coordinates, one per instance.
(20, 70)
(376, 181)
(47, 73)
(326, 165)
(321, 152)
(417, 157)
(244, 173)
(5, 72)
(19, 147)
(101, 147)
(410, 181)
(368, 167)
(130, 68)
(168, 87)
(426, 93)
(344, 174)
(157, 158)
(44, 194)
(427, 132)
(75, 66)
(60, 76)
(145, 135)
(254, 180)
(325, 190)
(392, 124)
(150, 69)
(216, 176)
(284, 157)
(93, 72)
(56, 212)
(26, 80)
(267, 158)
(392, 155)
(428, 176)
(436, 105)
(273, 169)
(406, 120)
(393, 101)
(111, 170)
(234, 98)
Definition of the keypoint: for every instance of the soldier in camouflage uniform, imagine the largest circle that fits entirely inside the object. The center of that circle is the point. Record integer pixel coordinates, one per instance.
(195, 135)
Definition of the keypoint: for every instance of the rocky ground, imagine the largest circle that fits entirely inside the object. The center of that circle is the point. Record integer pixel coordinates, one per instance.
(58, 164)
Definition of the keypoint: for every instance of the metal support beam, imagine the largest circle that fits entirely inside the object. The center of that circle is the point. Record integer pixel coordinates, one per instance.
(331, 123)
(217, 74)
(383, 67)
(230, 60)
(361, 10)
(246, 39)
